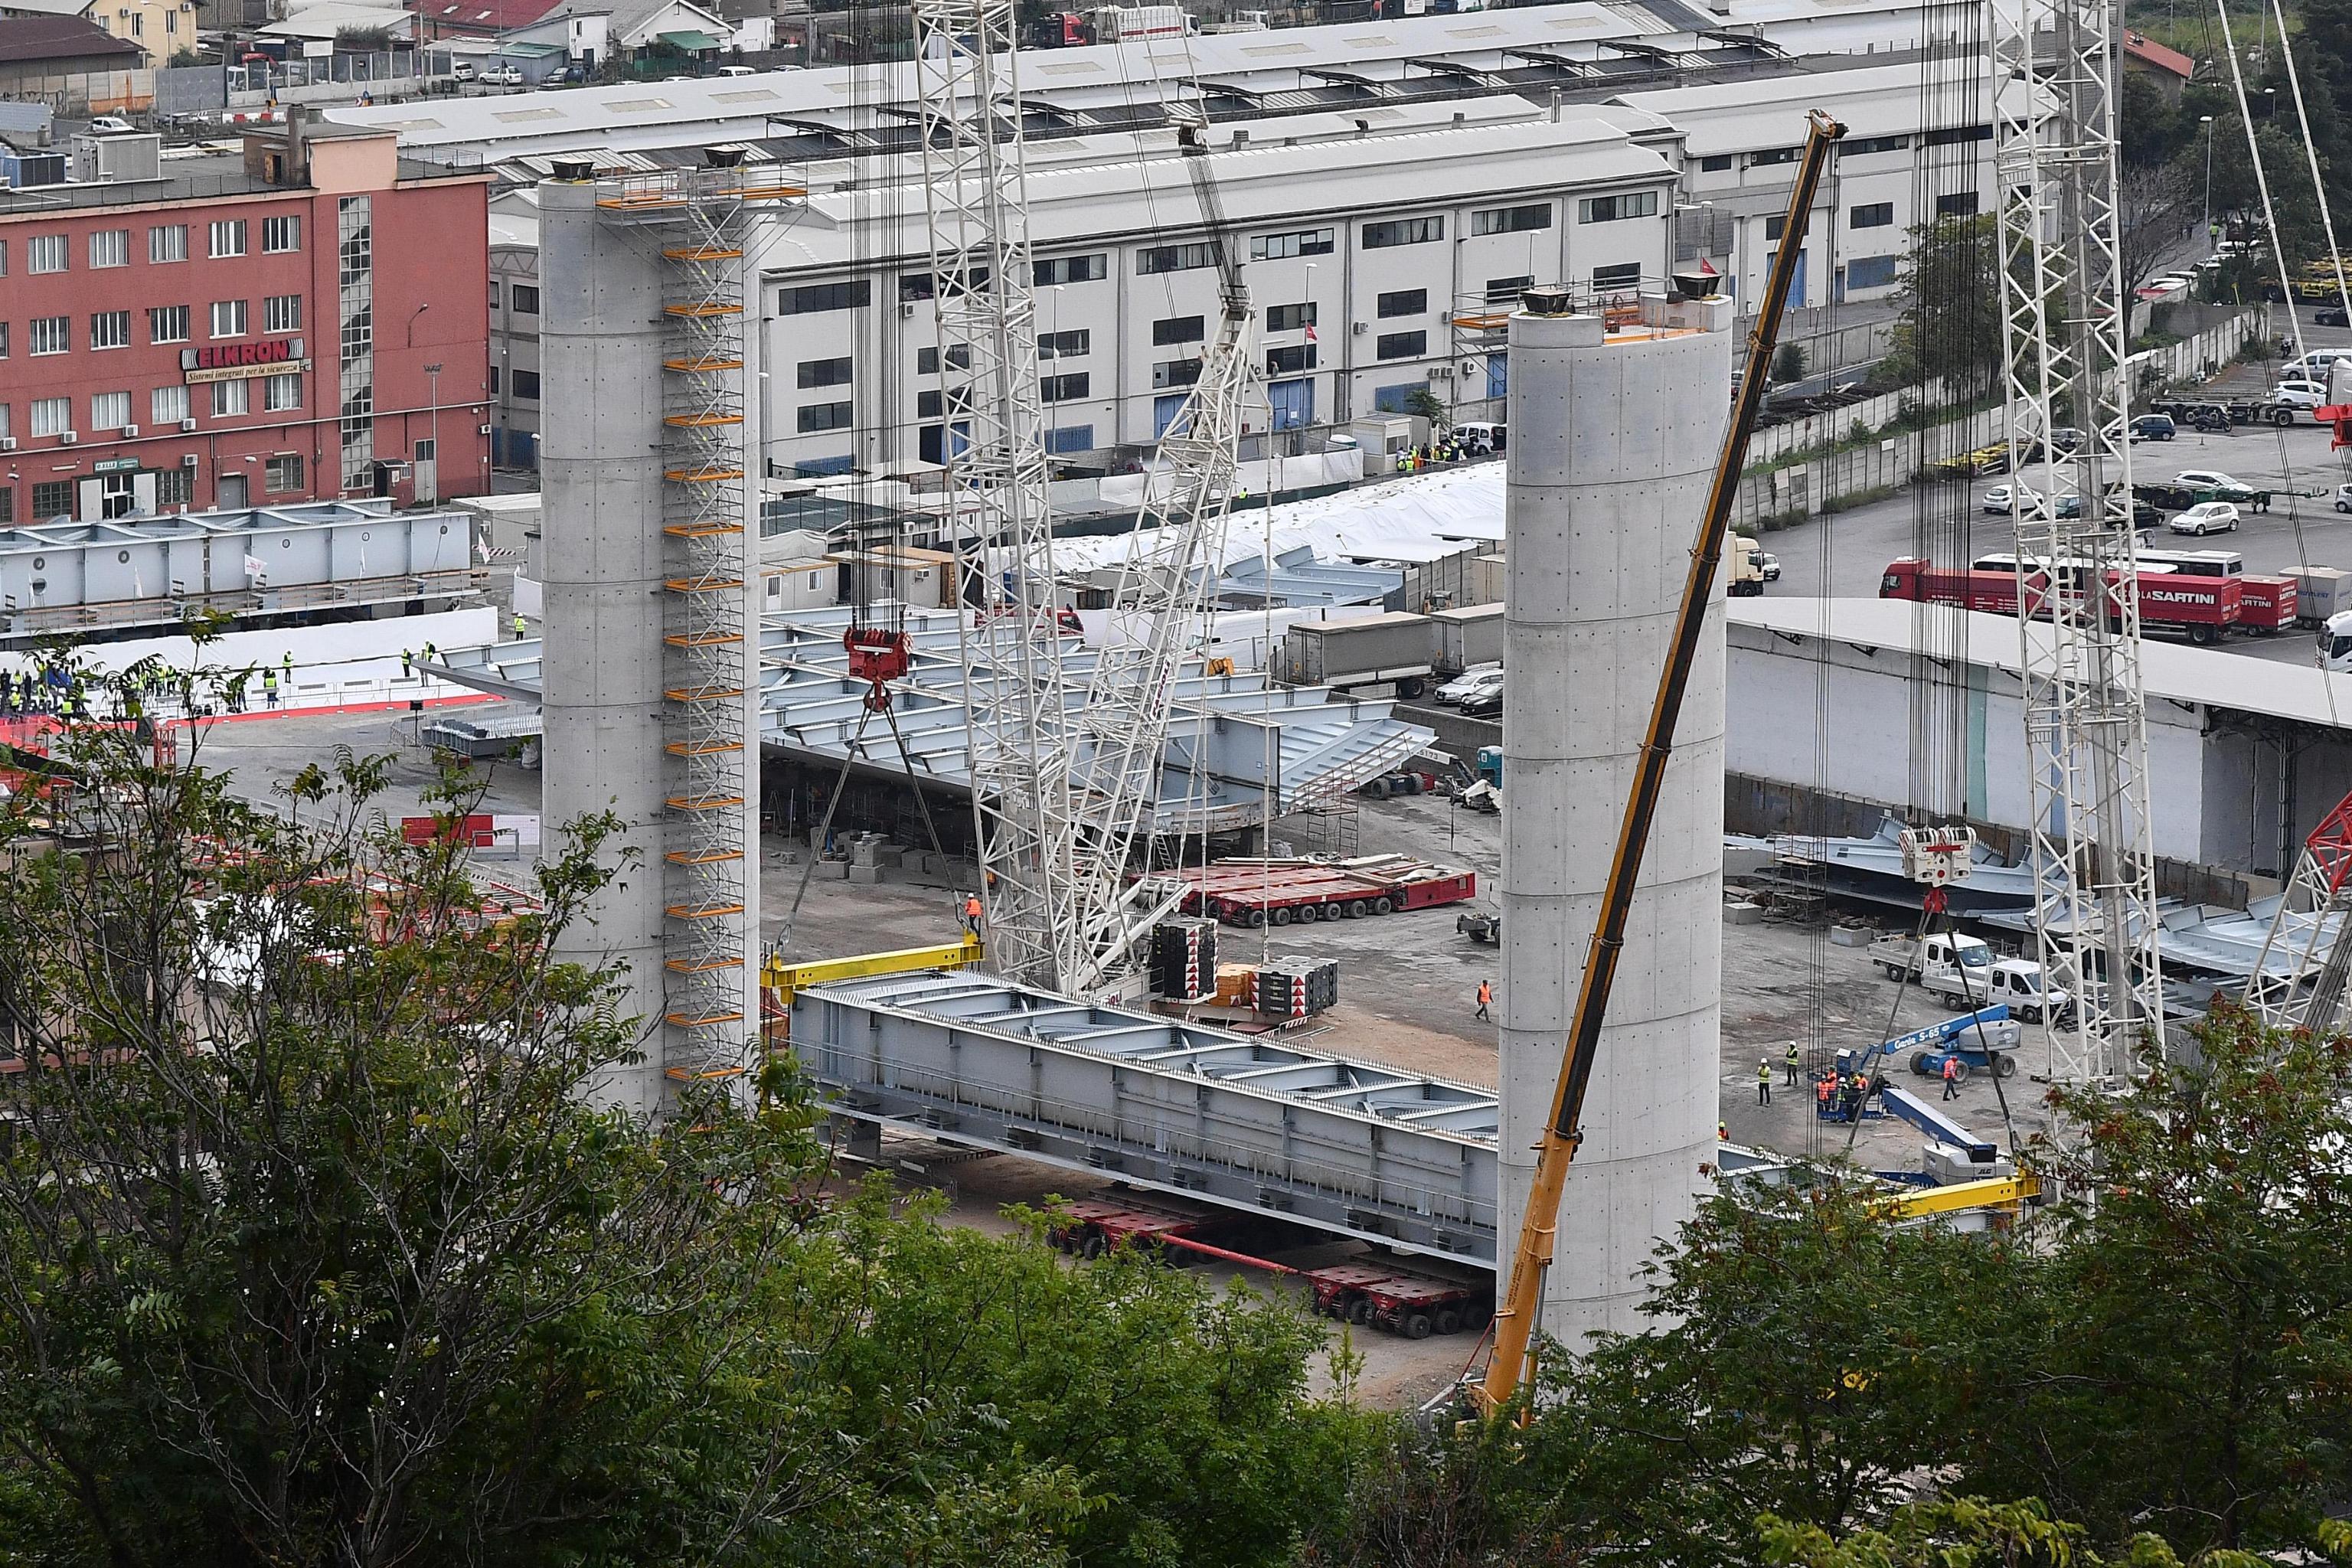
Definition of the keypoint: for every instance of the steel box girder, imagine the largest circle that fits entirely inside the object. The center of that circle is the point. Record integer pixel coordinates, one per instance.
(1382, 1165)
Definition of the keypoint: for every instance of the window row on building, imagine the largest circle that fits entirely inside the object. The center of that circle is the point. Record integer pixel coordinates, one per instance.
(222, 239)
(166, 325)
(165, 407)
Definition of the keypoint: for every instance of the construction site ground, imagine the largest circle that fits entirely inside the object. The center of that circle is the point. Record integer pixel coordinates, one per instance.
(1408, 986)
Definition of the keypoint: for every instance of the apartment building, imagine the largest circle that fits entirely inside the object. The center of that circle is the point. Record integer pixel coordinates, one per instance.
(304, 320)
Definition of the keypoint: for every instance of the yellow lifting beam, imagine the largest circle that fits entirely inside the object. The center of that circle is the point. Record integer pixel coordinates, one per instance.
(784, 980)
(1998, 1192)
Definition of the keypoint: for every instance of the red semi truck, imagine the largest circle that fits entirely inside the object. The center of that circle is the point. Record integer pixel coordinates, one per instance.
(1912, 577)
(2202, 609)
(2266, 604)
(2199, 608)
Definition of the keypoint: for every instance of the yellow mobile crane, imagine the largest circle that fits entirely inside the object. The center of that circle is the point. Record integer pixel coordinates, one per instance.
(1515, 1321)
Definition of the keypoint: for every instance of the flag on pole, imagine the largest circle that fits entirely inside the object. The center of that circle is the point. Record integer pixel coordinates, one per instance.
(254, 568)
(1310, 331)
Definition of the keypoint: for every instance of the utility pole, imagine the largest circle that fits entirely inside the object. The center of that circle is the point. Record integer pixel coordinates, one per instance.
(2207, 121)
(432, 376)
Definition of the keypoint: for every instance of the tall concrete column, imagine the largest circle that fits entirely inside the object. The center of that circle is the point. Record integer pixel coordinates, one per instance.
(600, 703)
(1613, 439)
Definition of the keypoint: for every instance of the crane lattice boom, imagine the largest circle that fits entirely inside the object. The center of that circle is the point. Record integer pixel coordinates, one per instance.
(2062, 331)
(977, 201)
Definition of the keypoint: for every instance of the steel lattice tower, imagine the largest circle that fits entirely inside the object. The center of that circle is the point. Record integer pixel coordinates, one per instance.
(977, 202)
(2063, 341)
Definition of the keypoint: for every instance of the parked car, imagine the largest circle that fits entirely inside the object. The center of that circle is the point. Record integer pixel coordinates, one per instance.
(2331, 316)
(2003, 498)
(2208, 479)
(737, 71)
(2065, 438)
(463, 71)
(1481, 439)
(2300, 393)
(1469, 683)
(2154, 427)
(1487, 704)
(570, 76)
(1769, 565)
(2344, 497)
(503, 76)
(106, 124)
(2206, 516)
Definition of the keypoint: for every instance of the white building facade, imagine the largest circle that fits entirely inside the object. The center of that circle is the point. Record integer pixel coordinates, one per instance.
(1369, 257)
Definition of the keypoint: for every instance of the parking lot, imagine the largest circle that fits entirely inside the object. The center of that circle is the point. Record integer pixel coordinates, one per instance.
(1845, 553)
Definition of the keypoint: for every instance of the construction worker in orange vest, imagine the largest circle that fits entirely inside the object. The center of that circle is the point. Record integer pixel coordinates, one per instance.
(971, 913)
(1486, 996)
(1951, 1077)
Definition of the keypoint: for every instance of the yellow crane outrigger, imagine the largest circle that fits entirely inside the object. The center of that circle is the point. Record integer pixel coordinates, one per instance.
(1514, 1324)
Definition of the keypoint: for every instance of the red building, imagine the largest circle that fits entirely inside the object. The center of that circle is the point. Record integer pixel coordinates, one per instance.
(307, 321)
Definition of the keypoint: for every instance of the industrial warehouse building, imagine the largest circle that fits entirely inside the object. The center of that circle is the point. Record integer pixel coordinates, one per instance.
(2247, 754)
(1590, 144)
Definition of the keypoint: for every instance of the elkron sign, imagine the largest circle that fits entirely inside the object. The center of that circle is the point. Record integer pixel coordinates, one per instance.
(228, 362)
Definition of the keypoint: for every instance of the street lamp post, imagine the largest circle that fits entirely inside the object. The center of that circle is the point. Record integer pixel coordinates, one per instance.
(2207, 121)
(433, 373)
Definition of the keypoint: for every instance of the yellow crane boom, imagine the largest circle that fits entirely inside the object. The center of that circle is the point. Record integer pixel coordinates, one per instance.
(1515, 1323)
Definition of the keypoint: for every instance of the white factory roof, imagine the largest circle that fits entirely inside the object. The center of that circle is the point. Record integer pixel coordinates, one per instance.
(1421, 517)
(1263, 179)
(1099, 188)
(673, 113)
(1769, 112)
(328, 19)
(2169, 672)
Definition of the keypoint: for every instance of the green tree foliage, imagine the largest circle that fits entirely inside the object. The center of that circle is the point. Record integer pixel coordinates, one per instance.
(2186, 1365)
(313, 1250)
(1950, 323)
(2164, 1357)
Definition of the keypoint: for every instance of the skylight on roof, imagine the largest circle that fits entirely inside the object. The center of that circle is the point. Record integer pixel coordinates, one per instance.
(516, 116)
(746, 95)
(1266, 52)
(1068, 68)
(639, 105)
